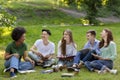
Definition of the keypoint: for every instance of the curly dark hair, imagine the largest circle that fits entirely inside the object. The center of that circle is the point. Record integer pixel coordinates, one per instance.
(17, 33)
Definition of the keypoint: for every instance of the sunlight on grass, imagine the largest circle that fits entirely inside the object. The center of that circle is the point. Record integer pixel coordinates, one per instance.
(1, 54)
(35, 15)
(5, 31)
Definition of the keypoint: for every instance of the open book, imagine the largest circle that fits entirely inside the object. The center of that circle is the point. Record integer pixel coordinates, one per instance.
(26, 71)
(67, 74)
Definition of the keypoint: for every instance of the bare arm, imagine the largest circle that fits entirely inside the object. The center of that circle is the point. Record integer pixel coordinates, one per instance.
(26, 58)
(8, 55)
(50, 56)
(33, 49)
(100, 58)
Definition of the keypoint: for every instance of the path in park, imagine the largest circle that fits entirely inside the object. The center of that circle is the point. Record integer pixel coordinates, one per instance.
(76, 14)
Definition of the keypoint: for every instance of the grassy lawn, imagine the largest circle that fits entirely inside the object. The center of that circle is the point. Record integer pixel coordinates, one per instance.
(36, 15)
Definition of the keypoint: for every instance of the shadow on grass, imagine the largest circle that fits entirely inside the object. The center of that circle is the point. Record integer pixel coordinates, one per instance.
(36, 13)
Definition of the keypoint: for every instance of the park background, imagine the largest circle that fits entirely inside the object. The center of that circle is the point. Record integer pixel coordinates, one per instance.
(59, 15)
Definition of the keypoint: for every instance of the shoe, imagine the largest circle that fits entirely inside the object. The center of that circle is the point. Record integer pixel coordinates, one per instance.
(48, 65)
(102, 72)
(75, 66)
(12, 75)
(55, 68)
(39, 64)
(61, 68)
(113, 71)
(71, 69)
(80, 64)
(5, 70)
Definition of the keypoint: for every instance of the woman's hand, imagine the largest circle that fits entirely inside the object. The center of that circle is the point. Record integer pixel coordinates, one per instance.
(16, 55)
(98, 57)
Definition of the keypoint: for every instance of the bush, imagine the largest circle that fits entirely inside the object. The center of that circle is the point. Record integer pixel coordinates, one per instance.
(6, 19)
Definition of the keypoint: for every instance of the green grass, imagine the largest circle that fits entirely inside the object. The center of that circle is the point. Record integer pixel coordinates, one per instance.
(51, 18)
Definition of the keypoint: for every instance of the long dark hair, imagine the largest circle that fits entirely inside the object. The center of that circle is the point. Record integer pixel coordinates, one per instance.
(63, 42)
(109, 38)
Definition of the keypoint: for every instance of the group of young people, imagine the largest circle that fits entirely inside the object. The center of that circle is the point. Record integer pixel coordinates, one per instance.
(96, 55)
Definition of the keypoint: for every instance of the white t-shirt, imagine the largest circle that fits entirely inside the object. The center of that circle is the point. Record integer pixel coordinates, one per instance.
(44, 49)
(70, 50)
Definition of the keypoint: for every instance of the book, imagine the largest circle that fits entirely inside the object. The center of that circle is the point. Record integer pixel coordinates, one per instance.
(26, 71)
(47, 71)
(67, 74)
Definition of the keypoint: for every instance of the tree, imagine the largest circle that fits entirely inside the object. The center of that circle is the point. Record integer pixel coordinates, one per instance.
(114, 6)
(91, 7)
(6, 19)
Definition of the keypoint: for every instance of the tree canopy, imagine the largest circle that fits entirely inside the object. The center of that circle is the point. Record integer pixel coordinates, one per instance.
(92, 7)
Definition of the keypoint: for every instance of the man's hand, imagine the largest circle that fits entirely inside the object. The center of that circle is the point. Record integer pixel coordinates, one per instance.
(32, 62)
(47, 57)
(39, 54)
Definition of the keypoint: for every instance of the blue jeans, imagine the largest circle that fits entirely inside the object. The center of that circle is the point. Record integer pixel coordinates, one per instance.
(84, 55)
(15, 63)
(38, 58)
(98, 64)
(65, 62)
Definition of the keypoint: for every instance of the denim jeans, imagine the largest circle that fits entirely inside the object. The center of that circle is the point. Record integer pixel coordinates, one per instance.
(84, 55)
(98, 64)
(15, 63)
(65, 62)
(38, 58)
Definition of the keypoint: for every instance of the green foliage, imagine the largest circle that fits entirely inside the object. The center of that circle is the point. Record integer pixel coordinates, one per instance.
(34, 19)
(6, 19)
(91, 7)
(114, 6)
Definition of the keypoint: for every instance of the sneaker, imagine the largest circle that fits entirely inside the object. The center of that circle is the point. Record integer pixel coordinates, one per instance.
(80, 64)
(12, 75)
(102, 72)
(113, 71)
(61, 68)
(5, 70)
(39, 64)
(55, 68)
(48, 65)
(71, 69)
(75, 66)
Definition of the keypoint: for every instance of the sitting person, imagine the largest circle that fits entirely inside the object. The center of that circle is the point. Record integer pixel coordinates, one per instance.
(85, 54)
(107, 56)
(43, 50)
(66, 50)
(15, 51)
